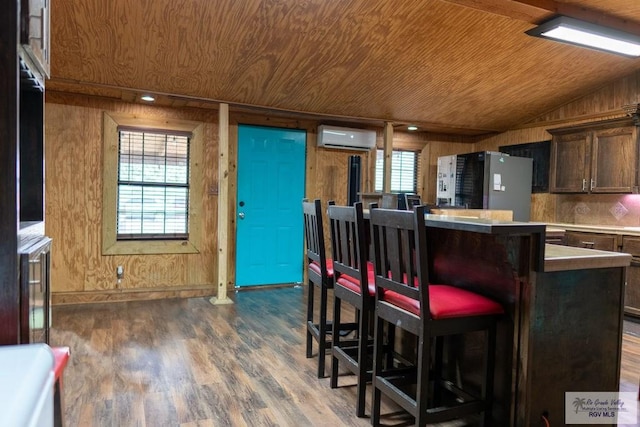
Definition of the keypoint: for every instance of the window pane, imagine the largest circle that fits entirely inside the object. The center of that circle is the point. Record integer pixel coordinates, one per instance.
(176, 159)
(153, 185)
(403, 171)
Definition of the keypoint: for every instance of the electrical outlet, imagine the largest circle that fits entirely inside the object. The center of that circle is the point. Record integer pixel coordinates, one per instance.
(120, 272)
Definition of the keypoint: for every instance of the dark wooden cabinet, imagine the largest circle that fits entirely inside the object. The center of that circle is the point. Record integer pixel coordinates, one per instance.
(540, 152)
(9, 107)
(595, 158)
(615, 243)
(569, 162)
(631, 245)
(614, 161)
(603, 242)
(24, 274)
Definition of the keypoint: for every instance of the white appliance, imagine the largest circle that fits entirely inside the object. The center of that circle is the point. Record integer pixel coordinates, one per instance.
(446, 182)
(346, 138)
(26, 385)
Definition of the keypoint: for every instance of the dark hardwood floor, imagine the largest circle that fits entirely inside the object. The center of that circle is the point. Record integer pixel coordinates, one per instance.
(185, 362)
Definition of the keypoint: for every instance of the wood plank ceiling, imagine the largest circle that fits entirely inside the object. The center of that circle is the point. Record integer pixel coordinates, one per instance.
(458, 66)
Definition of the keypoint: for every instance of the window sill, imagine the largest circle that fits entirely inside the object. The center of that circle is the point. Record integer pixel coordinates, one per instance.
(149, 247)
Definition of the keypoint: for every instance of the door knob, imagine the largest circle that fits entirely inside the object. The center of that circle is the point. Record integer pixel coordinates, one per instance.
(241, 215)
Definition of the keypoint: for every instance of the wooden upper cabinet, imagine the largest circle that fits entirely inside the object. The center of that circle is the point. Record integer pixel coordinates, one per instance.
(34, 34)
(596, 158)
(614, 160)
(570, 158)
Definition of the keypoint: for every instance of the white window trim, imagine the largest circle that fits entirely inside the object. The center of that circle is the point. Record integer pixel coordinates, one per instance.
(110, 244)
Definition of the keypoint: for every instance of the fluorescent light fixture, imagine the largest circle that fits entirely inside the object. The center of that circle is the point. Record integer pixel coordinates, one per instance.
(580, 33)
(147, 98)
(412, 127)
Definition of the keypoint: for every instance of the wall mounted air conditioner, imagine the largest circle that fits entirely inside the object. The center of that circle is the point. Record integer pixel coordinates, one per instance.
(346, 138)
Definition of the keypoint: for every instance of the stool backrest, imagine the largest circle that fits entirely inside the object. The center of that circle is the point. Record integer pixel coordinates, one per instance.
(400, 253)
(349, 242)
(389, 201)
(314, 234)
(411, 201)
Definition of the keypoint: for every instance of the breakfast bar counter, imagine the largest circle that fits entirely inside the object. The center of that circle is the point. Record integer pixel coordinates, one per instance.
(562, 329)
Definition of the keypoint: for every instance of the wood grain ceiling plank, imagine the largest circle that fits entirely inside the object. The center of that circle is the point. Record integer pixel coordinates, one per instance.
(440, 63)
(529, 11)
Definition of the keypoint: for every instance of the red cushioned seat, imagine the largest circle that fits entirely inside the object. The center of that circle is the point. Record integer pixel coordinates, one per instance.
(354, 284)
(446, 302)
(316, 267)
(60, 357)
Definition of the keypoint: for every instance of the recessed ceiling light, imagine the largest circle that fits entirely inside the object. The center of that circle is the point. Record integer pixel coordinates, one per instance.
(147, 98)
(412, 127)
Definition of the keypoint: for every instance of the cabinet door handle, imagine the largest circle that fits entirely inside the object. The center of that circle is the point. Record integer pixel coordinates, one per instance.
(584, 184)
(588, 245)
(593, 184)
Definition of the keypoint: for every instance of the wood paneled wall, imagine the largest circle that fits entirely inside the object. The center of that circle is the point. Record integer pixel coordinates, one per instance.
(74, 189)
(80, 273)
(73, 186)
(439, 146)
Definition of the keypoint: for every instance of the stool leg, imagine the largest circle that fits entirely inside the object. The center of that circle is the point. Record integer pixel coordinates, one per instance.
(322, 328)
(58, 406)
(378, 345)
(437, 370)
(310, 292)
(335, 338)
(487, 389)
(363, 344)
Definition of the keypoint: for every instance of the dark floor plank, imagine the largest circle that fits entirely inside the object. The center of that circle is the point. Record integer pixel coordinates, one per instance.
(185, 362)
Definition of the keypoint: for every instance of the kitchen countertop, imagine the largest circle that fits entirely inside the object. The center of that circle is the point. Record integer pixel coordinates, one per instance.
(556, 257)
(607, 229)
(562, 258)
(482, 225)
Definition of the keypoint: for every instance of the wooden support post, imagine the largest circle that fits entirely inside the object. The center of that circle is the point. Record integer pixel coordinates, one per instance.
(223, 206)
(388, 149)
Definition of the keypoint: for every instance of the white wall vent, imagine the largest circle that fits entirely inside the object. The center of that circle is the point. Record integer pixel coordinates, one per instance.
(346, 138)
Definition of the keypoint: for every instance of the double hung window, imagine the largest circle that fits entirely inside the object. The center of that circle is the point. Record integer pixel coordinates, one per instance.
(404, 171)
(153, 185)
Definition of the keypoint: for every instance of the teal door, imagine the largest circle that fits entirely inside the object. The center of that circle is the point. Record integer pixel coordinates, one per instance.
(269, 227)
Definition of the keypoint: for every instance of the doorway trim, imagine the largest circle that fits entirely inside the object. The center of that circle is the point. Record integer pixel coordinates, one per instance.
(235, 119)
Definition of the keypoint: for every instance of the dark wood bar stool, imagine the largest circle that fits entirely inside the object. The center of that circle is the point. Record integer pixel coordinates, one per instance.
(320, 275)
(405, 298)
(354, 285)
(410, 201)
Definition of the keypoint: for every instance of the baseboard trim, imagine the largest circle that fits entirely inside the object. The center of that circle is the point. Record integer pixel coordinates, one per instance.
(140, 294)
